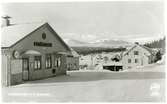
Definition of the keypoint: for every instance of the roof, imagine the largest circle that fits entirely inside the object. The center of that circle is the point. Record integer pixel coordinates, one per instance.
(146, 48)
(14, 33)
(74, 53)
(32, 52)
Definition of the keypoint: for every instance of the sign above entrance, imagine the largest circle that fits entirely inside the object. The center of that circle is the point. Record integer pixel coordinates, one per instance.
(42, 44)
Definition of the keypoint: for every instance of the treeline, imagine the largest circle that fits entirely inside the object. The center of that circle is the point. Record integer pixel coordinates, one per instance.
(90, 50)
(156, 44)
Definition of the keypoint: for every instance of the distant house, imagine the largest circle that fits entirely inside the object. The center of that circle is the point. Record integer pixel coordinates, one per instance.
(31, 51)
(91, 61)
(73, 60)
(138, 55)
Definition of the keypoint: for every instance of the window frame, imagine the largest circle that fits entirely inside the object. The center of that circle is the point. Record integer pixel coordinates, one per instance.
(38, 59)
(27, 66)
(136, 52)
(57, 61)
(136, 60)
(48, 58)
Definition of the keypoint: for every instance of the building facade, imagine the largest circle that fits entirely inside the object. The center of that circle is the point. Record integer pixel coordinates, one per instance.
(31, 52)
(137, 55)
(94, 61)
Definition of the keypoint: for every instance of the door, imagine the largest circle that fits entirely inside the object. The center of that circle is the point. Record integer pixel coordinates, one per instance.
(25, 69)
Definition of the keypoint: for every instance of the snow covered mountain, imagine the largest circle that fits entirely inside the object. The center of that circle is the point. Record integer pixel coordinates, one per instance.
(98, 43)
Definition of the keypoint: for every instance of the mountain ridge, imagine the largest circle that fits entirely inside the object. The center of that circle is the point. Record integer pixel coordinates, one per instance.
(98, 43)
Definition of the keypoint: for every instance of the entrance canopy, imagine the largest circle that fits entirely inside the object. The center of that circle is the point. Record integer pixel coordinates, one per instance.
(64, 53)
(32, 52)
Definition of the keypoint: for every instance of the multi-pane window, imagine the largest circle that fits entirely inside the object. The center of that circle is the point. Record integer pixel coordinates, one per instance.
(37, 62)
(129, 60)
(48, 61)
(136, 60)
(136, 52)
(57, 61)
(25, 64)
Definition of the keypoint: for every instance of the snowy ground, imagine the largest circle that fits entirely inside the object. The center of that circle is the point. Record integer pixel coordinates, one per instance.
(93, 86)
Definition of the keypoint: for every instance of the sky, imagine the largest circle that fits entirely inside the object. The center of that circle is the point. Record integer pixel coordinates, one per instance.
(93, 21)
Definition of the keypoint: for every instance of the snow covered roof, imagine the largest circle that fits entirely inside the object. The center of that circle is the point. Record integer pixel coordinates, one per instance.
(146, 48)
(32, 52)
(14, 33)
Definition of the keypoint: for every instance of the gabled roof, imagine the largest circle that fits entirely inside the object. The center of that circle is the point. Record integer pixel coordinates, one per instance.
(12, 34)
(126, 52)
(146, 48)
(15, 33)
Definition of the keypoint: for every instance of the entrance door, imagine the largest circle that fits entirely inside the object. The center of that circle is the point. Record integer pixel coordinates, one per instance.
(25, 69)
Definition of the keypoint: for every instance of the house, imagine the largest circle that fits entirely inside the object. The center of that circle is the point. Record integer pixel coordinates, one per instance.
(137, 55)
(93, 61)
(31, 51)
(73, 60)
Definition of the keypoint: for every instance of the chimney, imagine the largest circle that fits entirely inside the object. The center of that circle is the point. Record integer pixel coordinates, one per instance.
(5, 21)
(137, 43)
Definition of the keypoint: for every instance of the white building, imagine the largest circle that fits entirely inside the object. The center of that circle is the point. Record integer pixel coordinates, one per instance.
(94, 60)
(138, 55)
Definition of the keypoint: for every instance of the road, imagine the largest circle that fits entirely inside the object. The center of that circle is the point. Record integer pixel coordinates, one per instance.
(80, 86)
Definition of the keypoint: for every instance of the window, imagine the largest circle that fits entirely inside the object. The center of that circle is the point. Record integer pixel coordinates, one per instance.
(136, 52)
(37, 62)
(129, 60)
(48, 61)
(25, 64)
(43, 36)
(57, 61)
(136, 60)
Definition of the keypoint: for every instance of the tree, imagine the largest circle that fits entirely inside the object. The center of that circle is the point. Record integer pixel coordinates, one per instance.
(158, 56)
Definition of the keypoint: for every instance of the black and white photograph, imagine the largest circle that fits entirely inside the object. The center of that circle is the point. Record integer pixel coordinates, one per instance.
(88, 51)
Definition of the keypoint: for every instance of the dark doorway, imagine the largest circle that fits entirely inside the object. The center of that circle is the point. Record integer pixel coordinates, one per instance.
(25, 68)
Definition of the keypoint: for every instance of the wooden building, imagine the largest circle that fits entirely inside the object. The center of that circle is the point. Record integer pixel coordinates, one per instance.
(73, 60)
(138, 55)
(32, 51)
